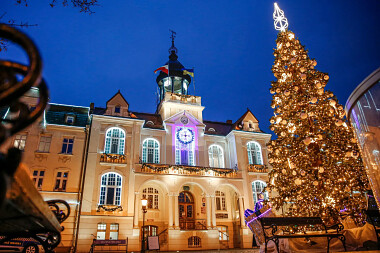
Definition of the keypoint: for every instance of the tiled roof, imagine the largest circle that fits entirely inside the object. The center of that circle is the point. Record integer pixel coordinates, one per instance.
(56, 114)
(149, 119)
(221, 128)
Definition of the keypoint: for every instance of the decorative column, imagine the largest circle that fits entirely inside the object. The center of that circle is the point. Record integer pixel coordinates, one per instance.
(170, 210)
(213, 215)
(136, 216)
(208, 211)
(241, 208)
(176, 212)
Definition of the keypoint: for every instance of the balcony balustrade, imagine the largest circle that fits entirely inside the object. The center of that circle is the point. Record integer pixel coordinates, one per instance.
(187, 170)
(192, 224)
(113, 158)
(258, 168)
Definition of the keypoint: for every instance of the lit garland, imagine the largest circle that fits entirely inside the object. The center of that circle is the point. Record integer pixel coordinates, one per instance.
(109, 208)
(317, 170)
(163, 167)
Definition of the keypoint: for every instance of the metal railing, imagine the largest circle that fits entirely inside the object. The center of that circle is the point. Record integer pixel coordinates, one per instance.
(192, 224)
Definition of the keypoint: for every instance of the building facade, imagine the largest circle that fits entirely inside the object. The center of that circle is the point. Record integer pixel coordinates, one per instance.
(197, 175)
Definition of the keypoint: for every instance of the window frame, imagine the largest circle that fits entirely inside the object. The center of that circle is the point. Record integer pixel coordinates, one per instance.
(220, 201)
(154, 151)
(21, 141)
(66, 145)
(256, 193)
(44, 143)
(194, 242)
(111, 140)
(108, 183)
(114, 231)
(254, 152)
(62, 185)
(219, 156)
(223, 232)
(70, 116)
(38, 177)
(152, 197)
(101, 228)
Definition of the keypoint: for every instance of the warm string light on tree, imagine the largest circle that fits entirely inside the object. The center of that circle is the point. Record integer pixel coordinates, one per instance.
(317, 170)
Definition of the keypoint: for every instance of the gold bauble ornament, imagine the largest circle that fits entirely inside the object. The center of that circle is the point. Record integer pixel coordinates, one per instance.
(283, 171)
(286, 93)
(303, 115)
(307, 140)
(278, 90)
(293, 60)
(303, 76)
(332, 102)
(355, 154)
(311, 114)
(326, 77)
(321, 170)
(296, 88)
(318, 85)
(272, 91)
(320, 91)
(298, 181)
(338, 122)
(302, 69)
(353, 140)
(272, 121)
(320, 137)
(315, 183)
(287, 44)
(303, 173)
(270, 160)
(283, 122)
(314, 63)
(283, 134)
(313, 100)
(294, 173)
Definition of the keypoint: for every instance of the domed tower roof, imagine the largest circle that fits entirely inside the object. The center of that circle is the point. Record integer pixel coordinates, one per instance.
(175, 67)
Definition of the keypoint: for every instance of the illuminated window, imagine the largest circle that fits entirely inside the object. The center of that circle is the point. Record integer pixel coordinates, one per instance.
(70, 119)
(20, 141)
(44, 145)
(115, 140)
(254, 153)
(220, 199)
(215, 156)
(194, 242)
(223, 233)
(61, 181)
(67, 146)
(110, 189)
(151, 151)
(257, 189)
(114, 231)
(101, 232)
(151, 194)
(38, 177)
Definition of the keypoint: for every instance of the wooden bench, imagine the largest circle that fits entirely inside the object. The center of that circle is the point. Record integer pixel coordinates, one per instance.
(373, 217)
(276, 228)
(109, 246)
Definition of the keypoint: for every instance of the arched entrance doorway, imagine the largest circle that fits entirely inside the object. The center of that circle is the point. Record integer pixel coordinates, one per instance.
(186, 210)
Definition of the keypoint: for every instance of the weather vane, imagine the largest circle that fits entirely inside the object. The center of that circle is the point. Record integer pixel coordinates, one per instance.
(173, 48)
(280, 21)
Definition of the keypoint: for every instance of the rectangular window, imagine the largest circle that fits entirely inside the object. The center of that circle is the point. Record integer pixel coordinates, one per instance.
(20, 141)
(101, 233)
(38, 177)
(67, 146)
(70, 119)
(61, 181)
(117, 109)
(114, 231)
(44, 145)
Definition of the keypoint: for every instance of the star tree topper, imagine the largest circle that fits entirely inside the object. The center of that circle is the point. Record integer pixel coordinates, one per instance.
(280, 21)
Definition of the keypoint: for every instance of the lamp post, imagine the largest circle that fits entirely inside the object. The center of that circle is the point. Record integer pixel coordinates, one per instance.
(144, 203)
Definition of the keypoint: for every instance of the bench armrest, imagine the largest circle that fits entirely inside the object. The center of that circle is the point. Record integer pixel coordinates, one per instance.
(339, 227)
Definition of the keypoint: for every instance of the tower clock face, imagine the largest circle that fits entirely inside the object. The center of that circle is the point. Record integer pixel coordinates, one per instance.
(185, 135)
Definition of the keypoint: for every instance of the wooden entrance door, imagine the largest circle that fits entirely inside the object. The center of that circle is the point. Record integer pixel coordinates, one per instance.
(186, 210)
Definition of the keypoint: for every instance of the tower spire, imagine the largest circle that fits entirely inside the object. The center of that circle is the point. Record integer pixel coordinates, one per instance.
(173, 48)
(280, 21)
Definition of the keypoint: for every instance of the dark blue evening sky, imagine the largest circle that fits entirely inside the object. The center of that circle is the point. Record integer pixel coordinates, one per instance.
(88, 58)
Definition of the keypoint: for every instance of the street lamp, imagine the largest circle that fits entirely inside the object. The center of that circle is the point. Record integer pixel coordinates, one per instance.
(144, 203)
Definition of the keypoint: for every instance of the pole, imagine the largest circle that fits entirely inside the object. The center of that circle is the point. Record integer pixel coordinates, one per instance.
(194, 79)
(143, 234)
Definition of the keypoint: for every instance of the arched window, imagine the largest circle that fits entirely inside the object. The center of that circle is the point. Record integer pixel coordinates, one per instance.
(151, 151)
(254, 153)
(151, 195)
(220, 199)
(215, 156)
(115, 140)
(110, 189)
(257, 189)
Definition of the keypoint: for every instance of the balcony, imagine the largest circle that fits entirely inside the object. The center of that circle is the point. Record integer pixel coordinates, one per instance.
(192, 224)
(257, 168)
(187, 170)
(113, 159)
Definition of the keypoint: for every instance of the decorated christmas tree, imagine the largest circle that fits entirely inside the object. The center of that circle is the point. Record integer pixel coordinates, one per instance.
(317, 170)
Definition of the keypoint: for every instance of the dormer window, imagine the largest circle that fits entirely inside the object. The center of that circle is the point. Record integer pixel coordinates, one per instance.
(150, 123)
(69, 119)
(117, 109)
(211, 129)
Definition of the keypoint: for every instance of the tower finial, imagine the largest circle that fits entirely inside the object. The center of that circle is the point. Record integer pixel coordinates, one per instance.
(173, 48)
(280, 21)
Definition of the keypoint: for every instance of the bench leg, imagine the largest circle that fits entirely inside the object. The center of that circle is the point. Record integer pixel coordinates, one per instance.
(277, 247)
(342, 238)
(266, 244)
(328, 244)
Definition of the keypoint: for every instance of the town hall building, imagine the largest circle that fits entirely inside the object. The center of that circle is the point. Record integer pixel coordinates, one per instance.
(197, 175)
